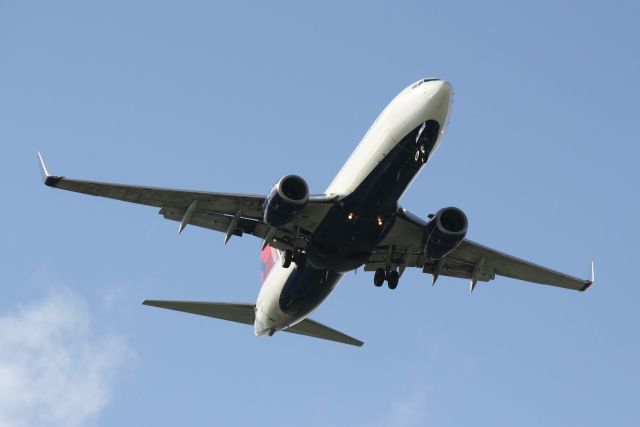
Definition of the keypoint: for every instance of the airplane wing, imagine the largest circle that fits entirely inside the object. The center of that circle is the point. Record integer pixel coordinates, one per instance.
(245, 313)
(232, 214)
(403, 247)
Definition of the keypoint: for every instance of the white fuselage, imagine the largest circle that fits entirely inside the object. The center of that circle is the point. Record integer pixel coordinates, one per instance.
(428, 99)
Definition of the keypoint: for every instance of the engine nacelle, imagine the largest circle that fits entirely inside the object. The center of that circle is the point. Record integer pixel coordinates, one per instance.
(287, 198)
(445, 232)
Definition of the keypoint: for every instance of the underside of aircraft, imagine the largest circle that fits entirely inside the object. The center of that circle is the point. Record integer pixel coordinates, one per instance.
(312, 240)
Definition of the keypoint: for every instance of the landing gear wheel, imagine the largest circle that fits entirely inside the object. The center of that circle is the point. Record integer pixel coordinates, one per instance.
(286, 259)
(378, 277)
(392, 279)
(301, 260)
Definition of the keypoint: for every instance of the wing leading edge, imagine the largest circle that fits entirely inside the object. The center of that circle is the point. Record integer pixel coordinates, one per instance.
(231, 214)
(470, 260)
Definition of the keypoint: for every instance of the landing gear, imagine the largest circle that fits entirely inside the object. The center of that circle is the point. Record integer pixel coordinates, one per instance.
(378, 277)
(286, 259)
(299, 257)
(421, 154)
(392, 278)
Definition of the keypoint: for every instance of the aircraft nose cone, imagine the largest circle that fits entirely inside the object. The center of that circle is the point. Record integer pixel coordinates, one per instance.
(440, 92)
(437, 104)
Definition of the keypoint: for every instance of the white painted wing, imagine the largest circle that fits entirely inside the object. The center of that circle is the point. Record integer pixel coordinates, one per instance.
(402, 247)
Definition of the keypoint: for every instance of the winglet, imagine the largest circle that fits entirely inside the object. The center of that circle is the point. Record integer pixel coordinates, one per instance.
(592, 280)
(48, 179)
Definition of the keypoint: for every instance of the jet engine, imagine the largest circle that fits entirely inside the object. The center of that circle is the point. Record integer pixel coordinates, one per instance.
(287, 198)
(445, 232)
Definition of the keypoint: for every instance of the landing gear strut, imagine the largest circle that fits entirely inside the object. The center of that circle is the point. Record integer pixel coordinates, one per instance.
(299, 257)
(286, 259)
(392, 278)
(421, 154)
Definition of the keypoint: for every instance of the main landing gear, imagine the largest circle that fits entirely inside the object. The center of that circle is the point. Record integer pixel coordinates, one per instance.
(299, 257)
(392, 278)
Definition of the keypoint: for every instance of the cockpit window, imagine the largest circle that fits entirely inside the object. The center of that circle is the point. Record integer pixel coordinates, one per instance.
(418, 83)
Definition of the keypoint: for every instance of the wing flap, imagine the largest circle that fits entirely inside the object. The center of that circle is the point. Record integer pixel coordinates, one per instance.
(283, 238)
(516, 268)
(214, 211)
(402, 247)
(222, 203)
(217, 222)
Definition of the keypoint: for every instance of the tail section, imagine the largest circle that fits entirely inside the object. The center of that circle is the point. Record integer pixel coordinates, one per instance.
(245, 313)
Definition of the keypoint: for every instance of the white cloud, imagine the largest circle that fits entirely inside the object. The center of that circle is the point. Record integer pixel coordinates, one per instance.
(55, 369)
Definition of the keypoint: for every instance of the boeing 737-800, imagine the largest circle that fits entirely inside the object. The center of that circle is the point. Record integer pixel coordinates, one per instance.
(311, 241)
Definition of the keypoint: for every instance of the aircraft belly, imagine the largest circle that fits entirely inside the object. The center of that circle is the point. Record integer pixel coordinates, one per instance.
(372, 181)
(289, 295)
(305, 289)
(403, 115)
(351, 231)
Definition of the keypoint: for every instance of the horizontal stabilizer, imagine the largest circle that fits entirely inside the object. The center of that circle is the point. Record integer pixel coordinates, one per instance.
(314, 329)
(245, 313)
(241, 313)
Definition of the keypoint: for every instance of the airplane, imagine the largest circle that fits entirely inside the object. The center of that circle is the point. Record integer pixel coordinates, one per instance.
(311, 241)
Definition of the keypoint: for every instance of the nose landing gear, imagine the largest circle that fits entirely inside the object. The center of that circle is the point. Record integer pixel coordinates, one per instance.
(392, 278)
(421, 154)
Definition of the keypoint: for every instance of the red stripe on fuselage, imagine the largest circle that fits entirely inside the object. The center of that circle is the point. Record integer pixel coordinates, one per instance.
(268, 256)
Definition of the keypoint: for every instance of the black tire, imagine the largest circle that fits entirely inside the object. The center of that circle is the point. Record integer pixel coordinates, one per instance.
(287, 258)
(300, 260)
(392, 279)
(378, 277)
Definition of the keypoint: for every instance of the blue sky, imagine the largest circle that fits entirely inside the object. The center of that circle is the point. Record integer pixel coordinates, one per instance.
(541, 153)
